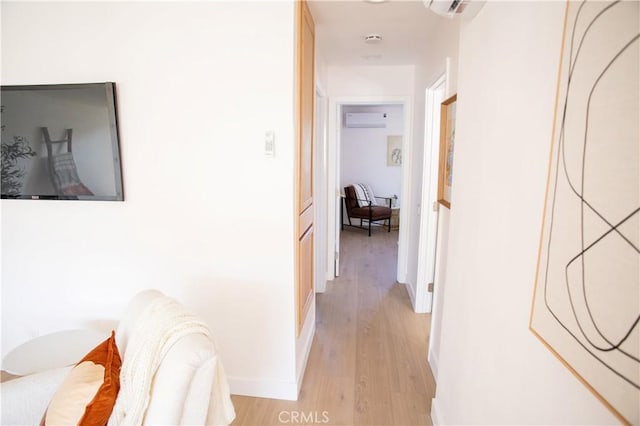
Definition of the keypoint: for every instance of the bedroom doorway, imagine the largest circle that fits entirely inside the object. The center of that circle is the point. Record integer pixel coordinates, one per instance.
(337, 110)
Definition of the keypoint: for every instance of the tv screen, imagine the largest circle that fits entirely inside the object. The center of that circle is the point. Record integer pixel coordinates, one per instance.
(60, 142)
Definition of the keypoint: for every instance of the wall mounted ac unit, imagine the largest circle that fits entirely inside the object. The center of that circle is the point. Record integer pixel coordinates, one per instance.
(365, 119)
(451, 8)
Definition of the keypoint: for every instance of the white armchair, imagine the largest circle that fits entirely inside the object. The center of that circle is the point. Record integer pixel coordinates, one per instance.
(189, 386)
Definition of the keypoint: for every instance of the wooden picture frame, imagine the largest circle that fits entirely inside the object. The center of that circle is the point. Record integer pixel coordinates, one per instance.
(447, 142)
(394, 151)
(585, 306)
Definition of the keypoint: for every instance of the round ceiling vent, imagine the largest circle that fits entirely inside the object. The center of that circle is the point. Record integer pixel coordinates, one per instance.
(373, 38)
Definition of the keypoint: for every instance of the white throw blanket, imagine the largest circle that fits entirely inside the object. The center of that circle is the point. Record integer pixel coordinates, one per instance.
(159, 326)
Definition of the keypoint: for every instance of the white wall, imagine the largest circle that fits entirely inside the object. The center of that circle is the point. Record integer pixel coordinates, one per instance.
(492, 370)
(198, 85)
(434, 63)
(359, 81)
(363, 157)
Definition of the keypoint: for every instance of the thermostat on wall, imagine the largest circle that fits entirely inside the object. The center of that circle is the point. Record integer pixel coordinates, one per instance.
(270, 143)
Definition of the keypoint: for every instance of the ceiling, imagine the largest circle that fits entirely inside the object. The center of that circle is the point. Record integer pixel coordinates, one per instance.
(406, 27)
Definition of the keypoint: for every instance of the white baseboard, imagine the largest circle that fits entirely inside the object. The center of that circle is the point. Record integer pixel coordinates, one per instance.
(435, 418)
(412, 295)
(433, 363)
(262, 388)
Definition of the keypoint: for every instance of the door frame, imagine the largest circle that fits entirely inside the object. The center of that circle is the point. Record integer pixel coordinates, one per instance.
(427, 242)
(333, 179)
(321, 211)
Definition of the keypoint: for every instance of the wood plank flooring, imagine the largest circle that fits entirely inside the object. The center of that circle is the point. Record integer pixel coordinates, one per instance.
(367, 365)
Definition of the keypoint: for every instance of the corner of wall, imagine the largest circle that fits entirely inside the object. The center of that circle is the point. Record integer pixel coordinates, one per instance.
(411, 291)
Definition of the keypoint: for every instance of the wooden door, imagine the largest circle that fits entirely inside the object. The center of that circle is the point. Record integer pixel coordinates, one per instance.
(305, 90)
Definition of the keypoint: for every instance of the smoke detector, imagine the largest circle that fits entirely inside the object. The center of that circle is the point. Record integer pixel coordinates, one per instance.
(373, 38)
(451, 8)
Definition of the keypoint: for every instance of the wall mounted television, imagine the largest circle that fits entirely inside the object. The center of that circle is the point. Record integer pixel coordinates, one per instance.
(60, 142)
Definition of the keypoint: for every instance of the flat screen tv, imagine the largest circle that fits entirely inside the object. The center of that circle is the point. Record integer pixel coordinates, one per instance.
(60, 142)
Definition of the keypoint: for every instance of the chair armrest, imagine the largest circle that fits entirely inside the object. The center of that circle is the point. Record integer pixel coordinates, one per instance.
(389, 199)
(24, 400)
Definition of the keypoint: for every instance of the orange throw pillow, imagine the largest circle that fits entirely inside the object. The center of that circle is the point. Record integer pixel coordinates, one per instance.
(88, 393)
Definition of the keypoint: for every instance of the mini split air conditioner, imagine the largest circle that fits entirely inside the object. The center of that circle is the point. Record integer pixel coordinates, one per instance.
(451, 8)
(365, 119)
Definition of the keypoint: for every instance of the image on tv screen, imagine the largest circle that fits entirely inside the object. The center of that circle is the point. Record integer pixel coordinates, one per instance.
(60, 142)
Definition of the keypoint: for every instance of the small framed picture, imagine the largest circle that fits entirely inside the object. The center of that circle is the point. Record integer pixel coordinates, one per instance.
(447, 143)
(394, 151)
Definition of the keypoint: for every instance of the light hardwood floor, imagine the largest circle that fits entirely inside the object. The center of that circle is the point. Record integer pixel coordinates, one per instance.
(367, 365)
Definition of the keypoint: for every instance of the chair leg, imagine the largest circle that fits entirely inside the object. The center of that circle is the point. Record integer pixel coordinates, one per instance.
(369, 228)
(389, 226)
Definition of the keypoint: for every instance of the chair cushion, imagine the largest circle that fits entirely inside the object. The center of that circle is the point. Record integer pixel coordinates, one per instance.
(88, 393)
(377, 212)
(370, 196)
(364, 195)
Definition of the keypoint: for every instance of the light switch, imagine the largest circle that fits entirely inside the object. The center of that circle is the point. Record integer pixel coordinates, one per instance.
(270, 143)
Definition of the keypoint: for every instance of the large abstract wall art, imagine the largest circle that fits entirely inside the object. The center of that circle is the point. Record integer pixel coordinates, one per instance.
(586, 305)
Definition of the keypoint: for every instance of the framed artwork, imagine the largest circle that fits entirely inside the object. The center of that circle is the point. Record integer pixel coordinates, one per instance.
(447, 142)
(586, 304)
(394, 151)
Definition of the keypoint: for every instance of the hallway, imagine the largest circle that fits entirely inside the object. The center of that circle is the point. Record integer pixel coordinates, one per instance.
(368, 360)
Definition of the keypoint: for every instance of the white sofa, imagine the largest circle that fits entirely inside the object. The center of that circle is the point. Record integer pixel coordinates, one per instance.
(189, 387)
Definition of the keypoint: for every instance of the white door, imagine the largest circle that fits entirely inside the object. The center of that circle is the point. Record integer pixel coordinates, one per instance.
(320, 187)
(429, 214)
(338, 197)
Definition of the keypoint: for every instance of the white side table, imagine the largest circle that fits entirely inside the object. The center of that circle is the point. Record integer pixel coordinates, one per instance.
(50, 351)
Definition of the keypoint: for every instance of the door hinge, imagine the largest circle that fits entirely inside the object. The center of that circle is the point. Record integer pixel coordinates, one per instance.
(430, 287)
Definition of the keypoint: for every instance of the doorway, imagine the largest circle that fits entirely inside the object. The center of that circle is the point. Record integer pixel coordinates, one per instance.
(336, 108)
(371, 154)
